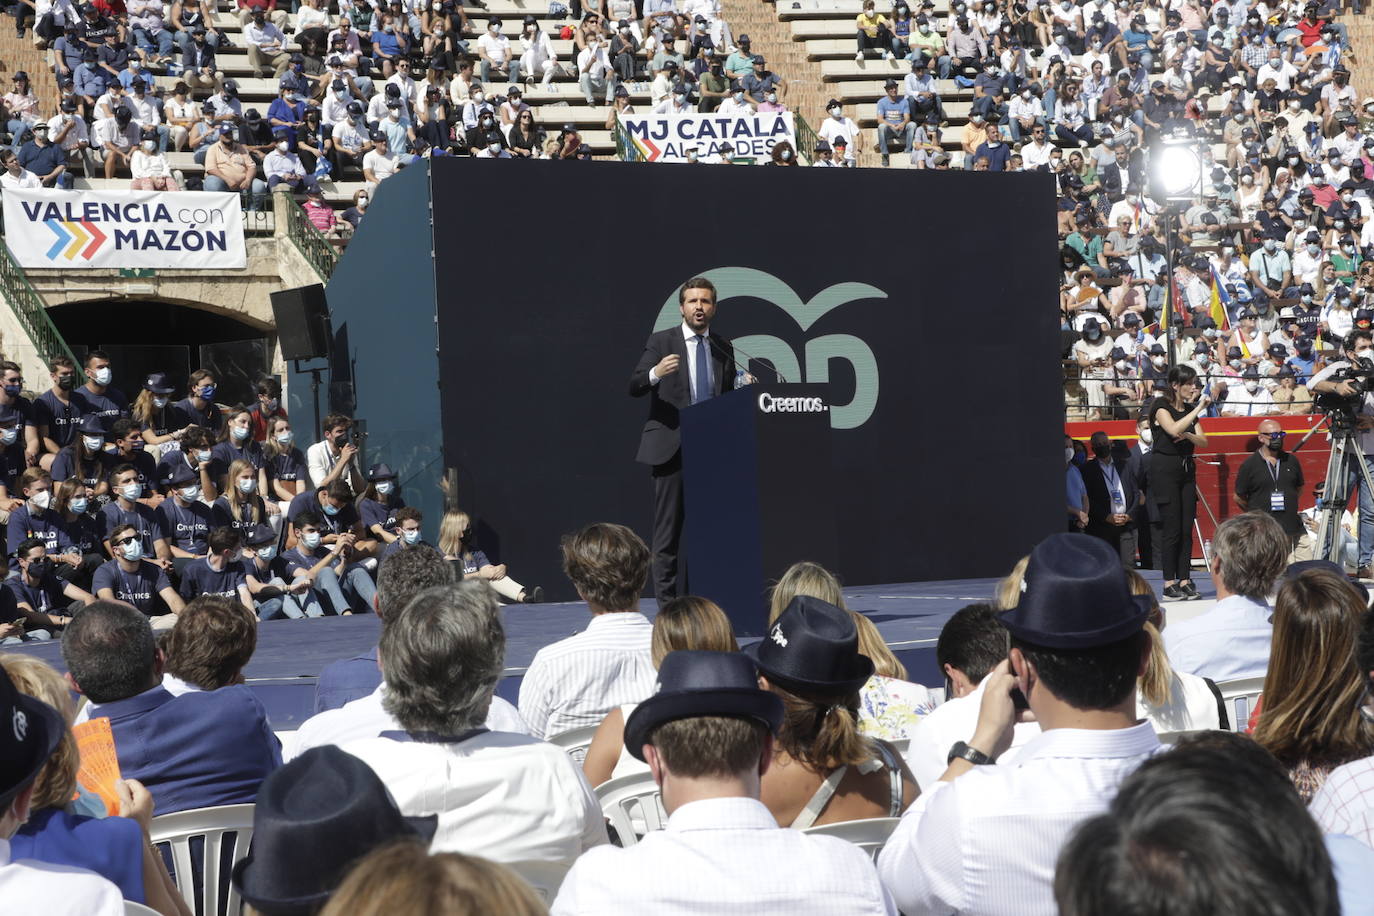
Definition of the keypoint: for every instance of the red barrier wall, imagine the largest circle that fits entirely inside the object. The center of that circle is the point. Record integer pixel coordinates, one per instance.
(1230, 441)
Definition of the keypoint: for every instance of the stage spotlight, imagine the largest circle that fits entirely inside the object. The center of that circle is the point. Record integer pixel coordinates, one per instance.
(1177, 170)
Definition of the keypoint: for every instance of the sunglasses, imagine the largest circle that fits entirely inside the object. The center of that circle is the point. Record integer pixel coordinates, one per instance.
(122, 541)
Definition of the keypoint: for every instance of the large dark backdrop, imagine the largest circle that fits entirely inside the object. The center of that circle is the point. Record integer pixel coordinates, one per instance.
(939, 287)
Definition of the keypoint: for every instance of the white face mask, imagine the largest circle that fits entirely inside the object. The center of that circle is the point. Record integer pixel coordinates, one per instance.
(102, 376)
(283, 146)
(1146, 435)
(1122, 365)
(41, 500)
(384, 487)
(247, 485)
(92, 443)
(494, 148)
(285, 437)
(131, 491)
(1252, 387)
(1068, 453)
(1158, 361)
(149, 145)
(191, 493)
(159, 403)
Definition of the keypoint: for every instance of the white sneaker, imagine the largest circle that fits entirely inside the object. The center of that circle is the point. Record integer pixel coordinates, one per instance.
(887, 55)
(858, 57)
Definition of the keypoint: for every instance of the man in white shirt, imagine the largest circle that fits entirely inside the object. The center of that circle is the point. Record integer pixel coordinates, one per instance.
(971, 644)
(15, 176)
(506, 797)
(30, 736)
(984, 839)
(1249, 553)
(837, 126)
(576, 681)
(1036, 153)
(707, 736)
(266, 45)
(494, 51)
(594, 73)
(333, 457)
(1249, 398)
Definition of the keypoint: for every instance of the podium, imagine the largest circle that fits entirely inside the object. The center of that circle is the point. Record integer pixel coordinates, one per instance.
(758, 494)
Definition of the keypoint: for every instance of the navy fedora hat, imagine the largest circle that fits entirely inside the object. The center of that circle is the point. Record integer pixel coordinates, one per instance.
(1075, 595)
(381, 471)
(813, 647)
(314, 818)
(694, 683)
(29, 734)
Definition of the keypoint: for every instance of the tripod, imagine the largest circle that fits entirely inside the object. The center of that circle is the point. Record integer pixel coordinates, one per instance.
(1345, 451)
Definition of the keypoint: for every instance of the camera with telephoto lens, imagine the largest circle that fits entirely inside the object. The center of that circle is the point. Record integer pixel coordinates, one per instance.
(1342, 408)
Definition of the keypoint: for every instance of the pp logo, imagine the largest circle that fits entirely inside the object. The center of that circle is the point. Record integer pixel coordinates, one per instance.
(818, 352)
(74, 238)
(20, 723)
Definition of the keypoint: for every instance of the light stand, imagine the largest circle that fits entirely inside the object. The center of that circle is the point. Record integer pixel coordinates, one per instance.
(1175, 172)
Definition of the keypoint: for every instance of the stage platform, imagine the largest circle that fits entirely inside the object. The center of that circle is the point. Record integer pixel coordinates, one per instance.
(291, 653)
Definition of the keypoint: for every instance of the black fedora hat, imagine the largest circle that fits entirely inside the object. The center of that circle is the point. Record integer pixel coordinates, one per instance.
(381, 471)
(1075, 595)
(314, 818)
(813, 648)
(29, 732)
(695, 683)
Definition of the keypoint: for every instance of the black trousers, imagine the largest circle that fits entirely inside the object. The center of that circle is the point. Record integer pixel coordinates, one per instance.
(1173, 488)
(669, 582)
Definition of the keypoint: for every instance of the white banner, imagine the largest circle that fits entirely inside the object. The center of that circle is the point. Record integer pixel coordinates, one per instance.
(668, 137)
(191, 230)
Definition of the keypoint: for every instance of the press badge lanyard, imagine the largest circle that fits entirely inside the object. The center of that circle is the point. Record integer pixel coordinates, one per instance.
(1114, 482)
(1276, 502)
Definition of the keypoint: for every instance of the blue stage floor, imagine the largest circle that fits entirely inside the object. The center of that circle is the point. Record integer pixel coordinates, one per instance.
(291, 653)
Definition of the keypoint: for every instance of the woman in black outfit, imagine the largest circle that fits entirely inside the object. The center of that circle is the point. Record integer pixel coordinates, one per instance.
(1175, 433)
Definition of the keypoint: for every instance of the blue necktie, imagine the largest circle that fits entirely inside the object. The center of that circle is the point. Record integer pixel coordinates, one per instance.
(703, 381)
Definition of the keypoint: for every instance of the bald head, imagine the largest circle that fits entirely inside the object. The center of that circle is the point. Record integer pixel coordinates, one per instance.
(1271, 436)
(1269, 426)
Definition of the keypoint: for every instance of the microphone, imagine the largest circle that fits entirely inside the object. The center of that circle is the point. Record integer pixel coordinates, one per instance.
(738, 351)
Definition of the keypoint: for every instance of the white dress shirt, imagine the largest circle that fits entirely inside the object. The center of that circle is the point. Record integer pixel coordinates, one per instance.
(689, 339)
(505, 797)
(365, 718)
(722, 856)
(1192, 707)
(927, 755)
(320, 460)
(30, 886)
(987, 842)
(1229, 641)
(576, 681)
(1345, 802)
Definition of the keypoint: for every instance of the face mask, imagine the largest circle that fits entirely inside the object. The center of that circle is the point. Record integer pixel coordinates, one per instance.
(835, 113)
(1203, 359)
(993, 144)
(772, 96)
(206, 392)
(239, 432)
(132, 551)
(204, 455)
(1158, 361)
(1294, 104)
(1347, 198)
(1348, 249)
(786, 154)
(131, 491)
(9, 436)
(283, 146)
(494, 147)
(1252, 387)
(92, 443)
(1306, 300)
(1068, 453)
(267, 553)
(925, 30)
(159, 403)
(1270, 244)
(1121, 365)
(247, 486)
(1246, 179)
(1146, 435)
(148, 146)
(191, 493)
(330, 509)
(1236, 364)
(102, 376)
(1061, 40)
(311, 539)
(39, 569)
(1313, 249)
(77, 503)
(411, 536)
(384, 487)
(362, 203)
(395, 115)
(1026, 95)
(389, 29)
(477, 98)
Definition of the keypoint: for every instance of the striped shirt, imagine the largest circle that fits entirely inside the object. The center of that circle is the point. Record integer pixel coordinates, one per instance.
(987, 842)
(576, 681)
(1345, 802)
(723, 856)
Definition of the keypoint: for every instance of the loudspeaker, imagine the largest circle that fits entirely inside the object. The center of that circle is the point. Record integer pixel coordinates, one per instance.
(302, 317)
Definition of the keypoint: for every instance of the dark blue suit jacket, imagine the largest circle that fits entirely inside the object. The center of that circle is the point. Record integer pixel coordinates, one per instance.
(198, 750)
(347, 680)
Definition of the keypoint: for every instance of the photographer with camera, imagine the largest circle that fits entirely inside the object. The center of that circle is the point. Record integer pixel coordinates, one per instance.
(1344, 388)
(335, 457)
(1174, 436)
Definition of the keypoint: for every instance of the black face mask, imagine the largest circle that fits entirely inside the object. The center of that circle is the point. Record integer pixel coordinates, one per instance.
(39, 569)
(66, 382)
(1102, 450)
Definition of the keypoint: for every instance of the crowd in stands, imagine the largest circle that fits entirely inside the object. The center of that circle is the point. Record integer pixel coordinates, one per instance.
(158, 502)
(1124, 779)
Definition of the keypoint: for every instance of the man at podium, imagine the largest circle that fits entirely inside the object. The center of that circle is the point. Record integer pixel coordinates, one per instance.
(679, 367)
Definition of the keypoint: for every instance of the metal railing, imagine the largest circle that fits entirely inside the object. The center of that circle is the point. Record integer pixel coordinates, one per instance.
(29, 309)
(312, 244)
(625, 148)
(806, 138)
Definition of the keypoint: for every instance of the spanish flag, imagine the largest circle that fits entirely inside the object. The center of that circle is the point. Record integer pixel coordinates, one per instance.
(1221, 306)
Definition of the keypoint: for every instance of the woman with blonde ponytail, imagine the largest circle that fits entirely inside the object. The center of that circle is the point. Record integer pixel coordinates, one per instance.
(1172, 700)
(824, 769)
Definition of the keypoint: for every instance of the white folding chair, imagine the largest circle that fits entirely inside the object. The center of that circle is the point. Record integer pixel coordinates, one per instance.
(137, 909)
(633, 806)
(869, 834)
(1240, 696)
(544, 877)
(575, 742)
(210, 824)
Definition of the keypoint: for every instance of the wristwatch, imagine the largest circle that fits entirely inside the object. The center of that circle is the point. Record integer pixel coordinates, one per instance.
(961, 749)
